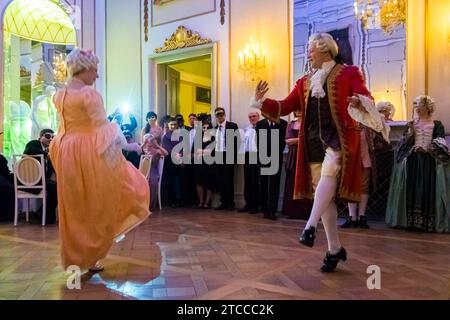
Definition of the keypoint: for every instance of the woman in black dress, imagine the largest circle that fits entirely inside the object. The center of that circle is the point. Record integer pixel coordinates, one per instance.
(203, 171)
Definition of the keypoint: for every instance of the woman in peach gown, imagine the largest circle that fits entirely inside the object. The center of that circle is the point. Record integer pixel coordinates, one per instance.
(101, 196)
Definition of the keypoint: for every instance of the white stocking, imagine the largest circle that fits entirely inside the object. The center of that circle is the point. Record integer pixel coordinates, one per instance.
(329, 220)
(352, 208)
(363, 204)
(324, 195)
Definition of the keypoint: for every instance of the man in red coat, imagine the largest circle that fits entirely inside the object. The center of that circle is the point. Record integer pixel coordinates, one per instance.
(329, 140)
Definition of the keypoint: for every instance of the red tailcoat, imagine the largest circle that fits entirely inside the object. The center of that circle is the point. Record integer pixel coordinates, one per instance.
(343, 82)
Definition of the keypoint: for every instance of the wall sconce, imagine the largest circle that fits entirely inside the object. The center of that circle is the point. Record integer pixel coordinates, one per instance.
(252, 61)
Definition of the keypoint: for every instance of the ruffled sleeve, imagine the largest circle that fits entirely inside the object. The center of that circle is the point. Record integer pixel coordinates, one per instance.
(109, 139)
(370, 117)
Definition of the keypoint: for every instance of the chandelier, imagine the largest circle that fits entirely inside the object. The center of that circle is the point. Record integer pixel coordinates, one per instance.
(252, 61)
(384, 14)
(60, 68)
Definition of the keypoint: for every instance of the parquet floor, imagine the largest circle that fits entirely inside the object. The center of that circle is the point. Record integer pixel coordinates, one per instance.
(192, 254)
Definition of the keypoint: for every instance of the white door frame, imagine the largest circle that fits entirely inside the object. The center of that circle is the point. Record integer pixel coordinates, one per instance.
(157, 66)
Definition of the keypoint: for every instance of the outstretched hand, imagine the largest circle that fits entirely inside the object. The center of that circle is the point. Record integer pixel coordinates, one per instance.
(261, 90)
(354, 102)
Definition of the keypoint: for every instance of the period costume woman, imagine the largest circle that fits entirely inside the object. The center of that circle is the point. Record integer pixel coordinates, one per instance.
(101, 196)
(419, 196)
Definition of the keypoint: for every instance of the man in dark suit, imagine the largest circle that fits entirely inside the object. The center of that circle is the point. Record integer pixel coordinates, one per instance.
(180, 121)
(187, 170)
(251, 170)
(270, 184)
(225, 150)
(37, 147)
(6, 191)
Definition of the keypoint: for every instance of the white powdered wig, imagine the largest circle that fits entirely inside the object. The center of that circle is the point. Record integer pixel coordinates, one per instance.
(325, 43)
(79, 60)
(383, 106)
(424, 101)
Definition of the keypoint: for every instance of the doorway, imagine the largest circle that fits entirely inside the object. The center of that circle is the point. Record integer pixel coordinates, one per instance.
(189, 86)
(185, 81)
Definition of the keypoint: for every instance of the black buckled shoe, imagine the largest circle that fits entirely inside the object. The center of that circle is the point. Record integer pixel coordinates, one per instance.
(308, 236)
(349, 223)
(331, 260)
(363, 222)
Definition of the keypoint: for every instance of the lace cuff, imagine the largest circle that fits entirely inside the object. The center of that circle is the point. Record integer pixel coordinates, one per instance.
(372, 118)
(113, 152)
(439, 149)
(256, 103)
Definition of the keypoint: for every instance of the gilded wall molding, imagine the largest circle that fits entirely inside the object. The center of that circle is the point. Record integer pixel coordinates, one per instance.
(146, 20)
(182, 38)
(222, 12)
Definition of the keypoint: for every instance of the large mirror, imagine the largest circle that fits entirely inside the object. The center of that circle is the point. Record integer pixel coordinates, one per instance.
(365, 39)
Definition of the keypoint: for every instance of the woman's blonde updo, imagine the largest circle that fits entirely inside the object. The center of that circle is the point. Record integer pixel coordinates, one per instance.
(80, 60)
(424, 101)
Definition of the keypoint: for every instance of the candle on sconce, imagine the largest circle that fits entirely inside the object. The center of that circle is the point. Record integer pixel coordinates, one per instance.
(252, 60)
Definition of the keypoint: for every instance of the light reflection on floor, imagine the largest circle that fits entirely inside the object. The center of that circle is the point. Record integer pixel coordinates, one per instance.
(192, 254)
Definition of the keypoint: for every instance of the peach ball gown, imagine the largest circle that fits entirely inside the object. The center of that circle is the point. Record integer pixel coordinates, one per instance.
(101, 196)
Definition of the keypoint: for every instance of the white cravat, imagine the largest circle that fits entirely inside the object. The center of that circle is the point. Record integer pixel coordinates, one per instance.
(220, 138)
(192, 137)
(250, 139)
(319, 77)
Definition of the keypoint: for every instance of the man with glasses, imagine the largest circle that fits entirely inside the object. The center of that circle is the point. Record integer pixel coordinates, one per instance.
(188, 189)
(37, 147)
(270, 184)
(192, 119)
(224, 170)
(180, 120)
(251, 174)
